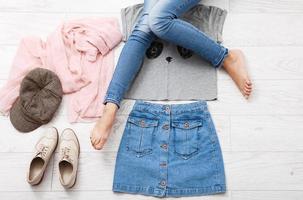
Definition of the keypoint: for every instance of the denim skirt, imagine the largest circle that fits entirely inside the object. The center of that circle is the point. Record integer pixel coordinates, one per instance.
(169, 150)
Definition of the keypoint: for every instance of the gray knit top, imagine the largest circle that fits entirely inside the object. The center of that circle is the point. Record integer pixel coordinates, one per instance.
(177, 73)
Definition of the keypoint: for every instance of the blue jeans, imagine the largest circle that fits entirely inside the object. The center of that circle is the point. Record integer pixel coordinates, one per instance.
(159, 18)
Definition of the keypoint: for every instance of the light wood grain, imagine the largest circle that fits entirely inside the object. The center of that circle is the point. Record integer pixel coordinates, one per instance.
(268, 6)
(263, 29)
(268, 195)
(261, 138)
(267, 133)
(91, 6)
(264, 170)
(92, 195)
(272, 63)
(279, 63)
(13, 169)
(25, 142)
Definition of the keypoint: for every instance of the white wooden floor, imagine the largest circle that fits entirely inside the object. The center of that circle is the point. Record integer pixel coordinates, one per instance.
(262, 139)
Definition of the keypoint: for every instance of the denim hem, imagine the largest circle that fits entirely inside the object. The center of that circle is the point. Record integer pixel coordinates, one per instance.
(112, 99)
(169, 192)
(224, 54)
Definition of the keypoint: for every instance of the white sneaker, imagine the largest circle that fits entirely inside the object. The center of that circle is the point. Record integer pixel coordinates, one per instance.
(69, 148)
(45, 147)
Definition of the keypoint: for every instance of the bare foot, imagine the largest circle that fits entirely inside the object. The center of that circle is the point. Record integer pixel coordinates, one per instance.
(235, 66)
(102, 129)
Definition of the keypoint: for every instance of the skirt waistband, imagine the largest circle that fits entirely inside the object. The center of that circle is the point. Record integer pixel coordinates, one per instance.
(198, 105)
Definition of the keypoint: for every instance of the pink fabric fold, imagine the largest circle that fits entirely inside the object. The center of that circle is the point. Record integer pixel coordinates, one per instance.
(81, 53)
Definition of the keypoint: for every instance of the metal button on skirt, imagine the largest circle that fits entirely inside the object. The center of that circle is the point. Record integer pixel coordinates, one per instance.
(169, 150)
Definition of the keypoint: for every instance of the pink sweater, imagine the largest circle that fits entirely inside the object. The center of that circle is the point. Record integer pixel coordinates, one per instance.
(80, 53)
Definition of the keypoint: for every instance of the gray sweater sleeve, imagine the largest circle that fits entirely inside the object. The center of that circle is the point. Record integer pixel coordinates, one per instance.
(209, 19)
(129, 17)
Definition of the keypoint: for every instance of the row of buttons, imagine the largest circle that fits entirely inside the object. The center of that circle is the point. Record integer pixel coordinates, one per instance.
(163, 183)
(164, 146)
(163, 164)
(167, 109)
(165, 126)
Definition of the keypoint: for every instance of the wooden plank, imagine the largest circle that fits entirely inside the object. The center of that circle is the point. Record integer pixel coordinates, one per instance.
(95, 172)
(279, 63)
(40, 25)
(264, 170)
(34, 6)
(270, 97)
(95, 6)
(263, 29)
(268, 195)
(267, 133)
(266, 6)
(92, 195)
(267, 63)
(26, 142)
(116, 5)
(244, 171)
(239, 30)
(92, 6)
(7, 52)
(13, 169)
(64, 6)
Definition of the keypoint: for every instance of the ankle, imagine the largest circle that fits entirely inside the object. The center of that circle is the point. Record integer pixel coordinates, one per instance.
(230, 58)
(110, 109)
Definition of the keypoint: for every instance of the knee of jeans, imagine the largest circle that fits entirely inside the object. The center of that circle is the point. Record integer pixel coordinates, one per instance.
(159, 24)
(142, 35)
(142, 28)
(142, 25)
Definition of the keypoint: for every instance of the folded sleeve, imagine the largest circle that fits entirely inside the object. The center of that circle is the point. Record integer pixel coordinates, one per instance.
(208, 19)
(129, 17)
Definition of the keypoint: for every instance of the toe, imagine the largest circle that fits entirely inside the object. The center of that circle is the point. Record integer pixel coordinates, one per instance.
(248, 86)
(98, 147)
(248, 82)
(95, 140)
(247, 90)
(100, 144)
(248, 93)
(243, 92)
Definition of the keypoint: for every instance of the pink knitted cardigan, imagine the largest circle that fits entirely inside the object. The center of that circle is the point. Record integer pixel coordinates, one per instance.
(80, 53)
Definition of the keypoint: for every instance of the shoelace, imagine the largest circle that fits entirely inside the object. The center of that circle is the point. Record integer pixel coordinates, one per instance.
(42, 151)
(66, 154)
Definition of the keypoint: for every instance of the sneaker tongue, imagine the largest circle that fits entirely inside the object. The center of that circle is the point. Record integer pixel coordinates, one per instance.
(40, 156)
(67, 160)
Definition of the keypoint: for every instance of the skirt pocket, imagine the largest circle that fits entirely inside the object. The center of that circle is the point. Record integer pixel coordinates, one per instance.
(186, 137)
(140, 132)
